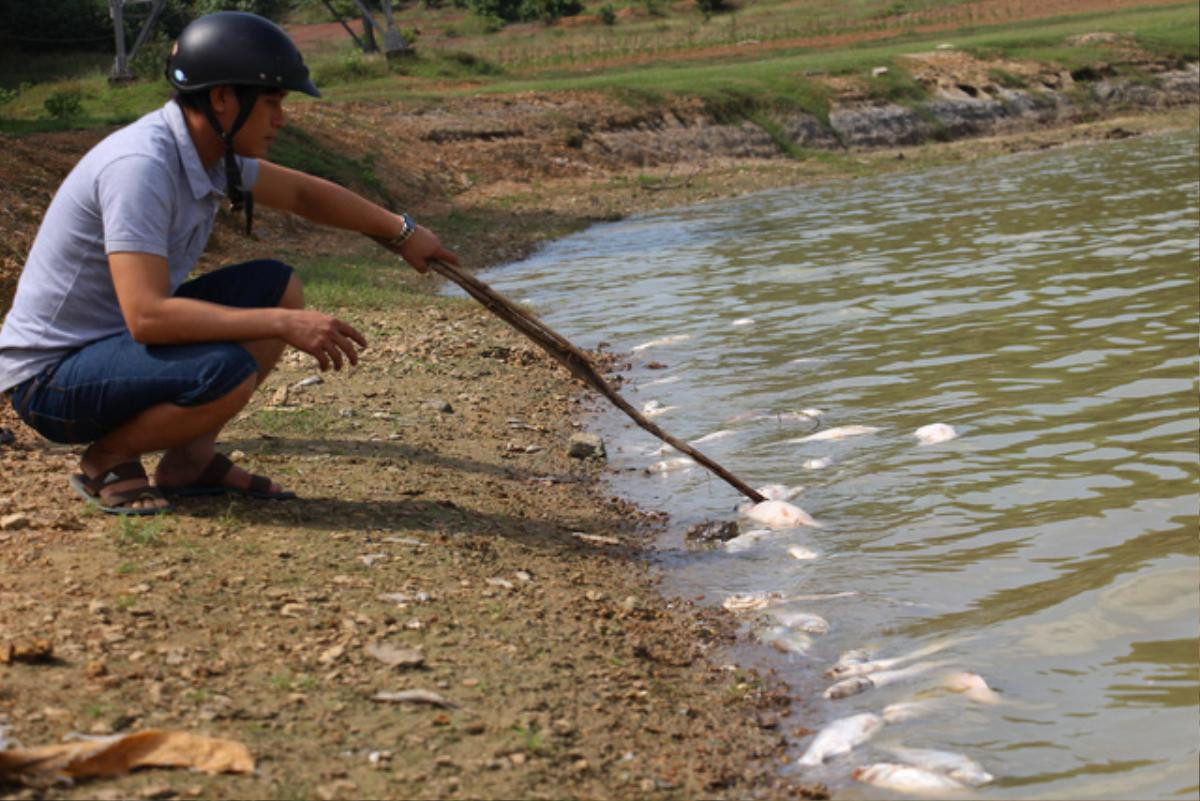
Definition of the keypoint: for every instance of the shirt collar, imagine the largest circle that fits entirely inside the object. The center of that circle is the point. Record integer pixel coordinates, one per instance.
(199, 180)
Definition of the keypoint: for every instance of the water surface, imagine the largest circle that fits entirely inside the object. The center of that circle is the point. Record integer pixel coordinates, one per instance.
(1046, 306)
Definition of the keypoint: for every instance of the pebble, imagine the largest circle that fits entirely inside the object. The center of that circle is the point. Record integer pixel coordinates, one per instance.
(14, 522)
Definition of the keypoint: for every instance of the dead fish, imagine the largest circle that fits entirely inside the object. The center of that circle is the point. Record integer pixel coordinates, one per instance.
(802, 552)
(853, 656)
(959, 767)
(743, 321)
(908, 780)
(747, 540)
(863, 666)
(858, 684)
(674, 339)
(816, 464)
(840, 737)
(972, 685)
(788, 640)
(910, 710)
(658, 382)
(750, 601)
(934, 433)
(654, 408)
(414, 697)
(779, 492)
(671, 465)
(722, 434)
(841, 432)
(780, 514)
(808, 622)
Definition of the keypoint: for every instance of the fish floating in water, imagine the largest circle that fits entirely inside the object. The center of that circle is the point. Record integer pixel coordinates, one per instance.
(747, 540)
(674, 339)
(780, 514)
(778, 492)
(654, 408)
(831, 434)
(858, 684)
(742, 321)
(934, 433)
(909, 780)
(816, 464)
(971, 685)
(840, 737)
(808, 622)
(911, 710)
(786, 639)
(671, 465)
(716, 435)
(959, 767)
(802, 553)
(860, 667)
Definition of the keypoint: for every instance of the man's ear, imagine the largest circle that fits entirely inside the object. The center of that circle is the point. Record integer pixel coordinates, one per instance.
(220, 97)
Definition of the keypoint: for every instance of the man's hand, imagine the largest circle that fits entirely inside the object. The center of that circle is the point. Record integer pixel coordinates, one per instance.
(323, 337)
(424, 246)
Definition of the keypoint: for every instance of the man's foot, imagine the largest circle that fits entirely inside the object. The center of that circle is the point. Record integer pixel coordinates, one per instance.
(219, 476)
(122, 489)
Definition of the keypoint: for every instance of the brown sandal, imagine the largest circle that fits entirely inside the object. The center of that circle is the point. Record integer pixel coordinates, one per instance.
(211, 481)
(117, 503)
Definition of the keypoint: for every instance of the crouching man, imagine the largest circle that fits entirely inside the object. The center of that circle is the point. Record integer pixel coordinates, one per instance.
(108, 344)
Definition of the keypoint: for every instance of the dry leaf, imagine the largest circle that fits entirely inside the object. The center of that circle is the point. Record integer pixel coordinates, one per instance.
(114, 756)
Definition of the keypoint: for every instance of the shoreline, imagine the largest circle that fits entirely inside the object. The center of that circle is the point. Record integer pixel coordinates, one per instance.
(436, 471)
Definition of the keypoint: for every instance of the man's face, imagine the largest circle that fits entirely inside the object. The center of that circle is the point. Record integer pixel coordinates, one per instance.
(260, 128)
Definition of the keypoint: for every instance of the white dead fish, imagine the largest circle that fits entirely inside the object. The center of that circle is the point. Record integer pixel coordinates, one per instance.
(972, 685)
(934, 433)
(654, 408)
(787, 640)
(674, 339)
(750, 601)
(414, 697)
(858, 684)
(722, 434)
(816, 464)
(802, 553)
(959, 767)
(853, 656)
(908, 780)
(862, 667)
(840, 737)
(910, 710)
(671, 465)
(658, 382)
(779, 492)
(841, 432)
(747, 540)
(743, 321)
(780, 514)
(808, 622)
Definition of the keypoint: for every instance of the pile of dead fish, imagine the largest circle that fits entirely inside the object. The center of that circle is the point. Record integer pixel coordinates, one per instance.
(914, 771)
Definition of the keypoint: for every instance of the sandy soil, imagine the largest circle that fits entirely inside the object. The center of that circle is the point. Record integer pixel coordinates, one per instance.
(438, 511)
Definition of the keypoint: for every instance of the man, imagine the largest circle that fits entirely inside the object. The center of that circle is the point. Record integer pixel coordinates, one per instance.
(107, 344)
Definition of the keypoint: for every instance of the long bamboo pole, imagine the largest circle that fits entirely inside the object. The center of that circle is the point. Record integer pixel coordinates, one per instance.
(576, 361)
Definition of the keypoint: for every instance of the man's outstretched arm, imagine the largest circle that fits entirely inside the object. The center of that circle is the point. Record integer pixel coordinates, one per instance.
(327, 203)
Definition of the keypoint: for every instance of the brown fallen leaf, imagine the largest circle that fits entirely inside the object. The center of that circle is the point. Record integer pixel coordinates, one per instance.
(114, 756)
(396, 657)
(414, 697)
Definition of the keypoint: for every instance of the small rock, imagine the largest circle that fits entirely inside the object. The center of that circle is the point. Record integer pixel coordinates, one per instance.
(438, 405)
(396, 657)
(585, 446)
(518, 759)
(712, 531)
(14, 522)
(99, 608)
(280, 398)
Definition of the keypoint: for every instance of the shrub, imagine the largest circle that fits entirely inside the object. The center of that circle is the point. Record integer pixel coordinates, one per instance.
(608, 14)
(64, 104)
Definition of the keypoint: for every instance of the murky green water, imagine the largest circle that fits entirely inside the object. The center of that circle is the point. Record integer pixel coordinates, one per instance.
(1045, 305)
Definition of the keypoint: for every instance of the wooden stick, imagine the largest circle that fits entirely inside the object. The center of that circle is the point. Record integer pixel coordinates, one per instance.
(574, 360)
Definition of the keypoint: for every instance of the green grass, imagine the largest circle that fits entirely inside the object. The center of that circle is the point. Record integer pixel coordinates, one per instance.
(365, 280)
(300, 150)
(135, 530)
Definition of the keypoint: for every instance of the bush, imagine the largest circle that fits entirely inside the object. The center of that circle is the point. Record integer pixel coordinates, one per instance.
(272, 9)
(524, 10)
(710, 7)
(64, 104)
(608, 14)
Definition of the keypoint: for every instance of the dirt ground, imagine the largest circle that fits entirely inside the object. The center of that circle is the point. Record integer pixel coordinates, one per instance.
(438, 511)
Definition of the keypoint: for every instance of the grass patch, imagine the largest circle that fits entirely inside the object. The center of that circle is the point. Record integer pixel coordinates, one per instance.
(355, 281)
(139, 531)
(306, 421)
(300, 150)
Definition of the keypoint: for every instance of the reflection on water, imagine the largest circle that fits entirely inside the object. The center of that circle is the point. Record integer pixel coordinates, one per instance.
(1044, 305)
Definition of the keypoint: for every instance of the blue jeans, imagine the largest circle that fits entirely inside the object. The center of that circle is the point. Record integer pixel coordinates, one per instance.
(106, 383)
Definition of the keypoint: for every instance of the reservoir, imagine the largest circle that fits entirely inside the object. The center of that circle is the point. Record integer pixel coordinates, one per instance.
(1044, 305)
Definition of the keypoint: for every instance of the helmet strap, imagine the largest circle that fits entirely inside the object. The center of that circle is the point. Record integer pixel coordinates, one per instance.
(239, 196)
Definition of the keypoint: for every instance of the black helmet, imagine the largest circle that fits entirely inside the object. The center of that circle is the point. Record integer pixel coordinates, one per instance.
(234, 47)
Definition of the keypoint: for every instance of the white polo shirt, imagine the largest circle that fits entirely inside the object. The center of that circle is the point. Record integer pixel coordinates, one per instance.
(142, 189)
